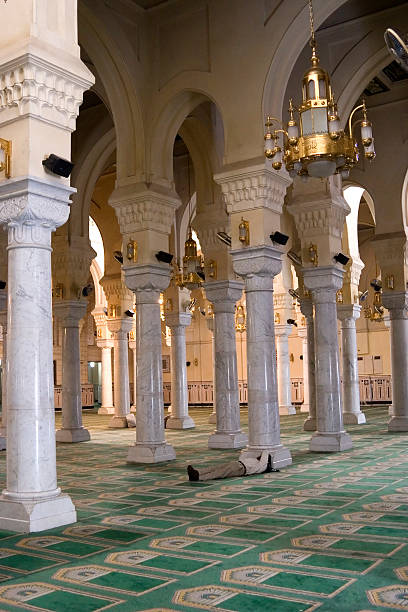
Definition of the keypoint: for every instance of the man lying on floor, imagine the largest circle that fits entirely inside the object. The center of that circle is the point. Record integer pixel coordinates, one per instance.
(245, 467)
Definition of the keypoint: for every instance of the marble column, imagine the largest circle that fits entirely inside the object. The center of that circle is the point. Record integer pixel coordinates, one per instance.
(352, 414)
(119, 328)
(3, 323)
(148, 281)
(70, 313)
(324, 282)
(132, 346)
(224, 294)
(106, 374)
(212, 419)
(179, 418)
(258, 266)
(397, 305)
(32, 501)
(309, 389)
(282, 354)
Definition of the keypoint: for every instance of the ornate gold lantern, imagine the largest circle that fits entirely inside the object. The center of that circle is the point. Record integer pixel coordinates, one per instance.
(316, 145)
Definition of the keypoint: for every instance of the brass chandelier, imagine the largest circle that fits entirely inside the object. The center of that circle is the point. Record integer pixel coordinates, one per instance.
(317, 146)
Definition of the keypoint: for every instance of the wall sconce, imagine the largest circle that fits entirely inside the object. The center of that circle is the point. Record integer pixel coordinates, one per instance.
(313, 256)
(277, 318)
(291, 357)
(5, 157)
(132, 335)
(114, 311)
(210, 310)
(196, 361)
(240, 319)
(389, 281)
(58, 291)
(339, 296)
(212, 268)
(99, 333)
(168, 307)
(131, 251)
(243, 232)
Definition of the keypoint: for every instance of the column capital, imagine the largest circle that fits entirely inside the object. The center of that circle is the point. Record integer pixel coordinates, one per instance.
(139, 208)
(116, 292)
(391, 251)
(346, 312)
(32, 208)
(306, 307)
(396, 303)
(282, 329)
(252, 186)
(33, 86)
(120, 324)
(178, 319)
(104, 344)
(70, 312)
(147, 281)
(323, 282)
(223, 294)
(70, 263)
(257, 266)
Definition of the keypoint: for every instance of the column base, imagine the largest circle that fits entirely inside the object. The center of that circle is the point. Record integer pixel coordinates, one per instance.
(31, 516)
(79, 434)
(285, 410)
(120, 422)
(212, 419)
(398, 423)
(330, 442)
(305, 408)
(354, 418)
(310, 424)
(180, 423)
(390, 410)
(106, 410)
(143, 453)
(281, 456)
(227, 440)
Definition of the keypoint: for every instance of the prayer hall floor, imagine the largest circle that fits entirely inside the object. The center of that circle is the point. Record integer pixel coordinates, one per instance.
(328, 533)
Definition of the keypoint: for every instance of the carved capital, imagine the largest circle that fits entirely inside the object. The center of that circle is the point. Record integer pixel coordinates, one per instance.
(115, 289)
(178, 319)
(223, 294)
(119, 326)
(323, 282)
(70, 312)
(70, 264)
(32, 208)
(147, 281)
(139, 208)
(33, 87)
(348, 314)
(396, 303)
(257, 266)
(252, 187)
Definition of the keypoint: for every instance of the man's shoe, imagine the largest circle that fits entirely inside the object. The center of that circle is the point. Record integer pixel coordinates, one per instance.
(193, 474)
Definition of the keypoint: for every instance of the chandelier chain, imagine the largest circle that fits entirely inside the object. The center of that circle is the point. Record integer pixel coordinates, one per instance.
(311, 15)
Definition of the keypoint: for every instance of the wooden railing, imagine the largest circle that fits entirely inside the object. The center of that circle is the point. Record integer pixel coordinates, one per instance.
(87, 392)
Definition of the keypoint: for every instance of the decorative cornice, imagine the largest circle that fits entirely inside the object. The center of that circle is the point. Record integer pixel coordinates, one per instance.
(257, 266)
(253, 187)
(325, 216)
(397, 304)
(33, 87)
(139, 208)
(115, 289)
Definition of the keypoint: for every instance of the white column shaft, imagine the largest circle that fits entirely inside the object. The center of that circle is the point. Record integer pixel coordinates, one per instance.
(283, 370)
(305, 368)
(107, 392)
(179, 392)
(134, 376)
(71, 378)
(121, 374)
(399, 359)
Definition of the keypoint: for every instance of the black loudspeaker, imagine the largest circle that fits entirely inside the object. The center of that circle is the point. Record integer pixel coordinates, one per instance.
(58, 165)
(3, 284)
(164, 257)
(129, 313)
(279, 238)
(341, 259)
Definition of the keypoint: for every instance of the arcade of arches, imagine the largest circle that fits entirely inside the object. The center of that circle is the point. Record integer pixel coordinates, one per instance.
(160, 105)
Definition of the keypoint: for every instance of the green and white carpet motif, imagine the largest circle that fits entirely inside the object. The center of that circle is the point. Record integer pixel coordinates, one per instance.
(329, 533)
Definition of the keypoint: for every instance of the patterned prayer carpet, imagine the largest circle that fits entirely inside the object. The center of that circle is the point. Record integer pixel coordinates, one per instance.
(329, 533)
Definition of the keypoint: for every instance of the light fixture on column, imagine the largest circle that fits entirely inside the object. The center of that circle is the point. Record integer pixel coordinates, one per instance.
(279, 238)
(341, 259)
(316, 146)
(243, 232)
(193, 273)
(58, 165)
(294, 258)
(240, 319)
(164, 257)
(225, 238)
(5, 157)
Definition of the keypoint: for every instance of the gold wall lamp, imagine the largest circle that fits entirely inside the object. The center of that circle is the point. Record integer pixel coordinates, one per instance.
(313, 256)
(243, 232)
(5, 157)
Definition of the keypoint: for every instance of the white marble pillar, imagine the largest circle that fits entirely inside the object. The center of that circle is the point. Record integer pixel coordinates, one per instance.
(224, 294)
(3, 323)
(70, 313)
(119, 328)
(352, 414)
(32, 500)
(106, 374)
(397, 305)
(282, 332)
(324, 282)
(387, 323)
(148, 281)
(302, 333)
(309, 389)
(212, 419)
(132, 346)
(258, 266)
(179, 418)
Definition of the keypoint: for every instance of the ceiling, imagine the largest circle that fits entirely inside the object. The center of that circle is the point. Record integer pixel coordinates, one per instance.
(148, 4)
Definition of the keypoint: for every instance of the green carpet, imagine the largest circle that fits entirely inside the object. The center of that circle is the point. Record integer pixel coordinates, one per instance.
(329, 533)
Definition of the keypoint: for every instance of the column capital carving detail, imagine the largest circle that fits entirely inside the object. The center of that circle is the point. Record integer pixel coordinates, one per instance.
(257, 266)
(223, 294)
(31, 86)
(396, 303)
(251, 187)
